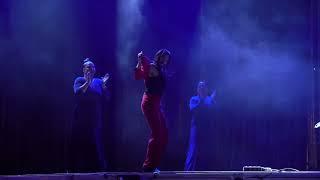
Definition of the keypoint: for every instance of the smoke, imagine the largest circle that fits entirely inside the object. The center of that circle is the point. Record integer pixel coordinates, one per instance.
(130, 25)
(251, 54)
(129, 28)
(37, 43)
(33, 29)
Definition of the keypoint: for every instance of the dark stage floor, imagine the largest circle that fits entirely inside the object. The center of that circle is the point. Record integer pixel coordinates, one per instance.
(219, 175)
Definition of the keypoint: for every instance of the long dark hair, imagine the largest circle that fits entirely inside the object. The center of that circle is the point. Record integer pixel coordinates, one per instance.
(161, 53)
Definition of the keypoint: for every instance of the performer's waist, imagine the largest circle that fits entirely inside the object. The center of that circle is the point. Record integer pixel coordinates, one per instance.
(153, 92)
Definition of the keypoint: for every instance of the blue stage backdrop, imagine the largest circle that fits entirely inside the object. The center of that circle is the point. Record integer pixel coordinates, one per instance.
(254, 53)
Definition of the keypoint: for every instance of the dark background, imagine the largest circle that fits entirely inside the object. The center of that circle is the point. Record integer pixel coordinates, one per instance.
(256, 54)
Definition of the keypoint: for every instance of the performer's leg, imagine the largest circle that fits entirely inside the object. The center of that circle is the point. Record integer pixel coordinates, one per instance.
(192, 154)
(82, 150)
(80, 144)
(149, 107)
(100, 149)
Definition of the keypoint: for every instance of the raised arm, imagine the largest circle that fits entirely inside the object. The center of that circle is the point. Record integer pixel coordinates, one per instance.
(138, 73)
(143, 67)
(80, 85)
(213, 96)
(194, 104)
(106, 87)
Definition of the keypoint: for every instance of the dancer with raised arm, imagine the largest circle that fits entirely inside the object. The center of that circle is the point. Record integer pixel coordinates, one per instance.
(152, 72)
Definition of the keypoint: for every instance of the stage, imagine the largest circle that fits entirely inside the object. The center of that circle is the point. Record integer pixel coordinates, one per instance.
(171, 175)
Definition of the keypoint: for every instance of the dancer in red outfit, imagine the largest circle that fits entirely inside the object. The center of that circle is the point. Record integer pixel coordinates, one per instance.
(154, 79)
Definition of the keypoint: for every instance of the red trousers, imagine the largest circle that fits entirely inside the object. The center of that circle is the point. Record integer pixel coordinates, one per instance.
(151, 109)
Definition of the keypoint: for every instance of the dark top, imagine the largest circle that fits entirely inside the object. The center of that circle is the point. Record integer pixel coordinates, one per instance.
(155, 85)
(89, 105)
(201, 110)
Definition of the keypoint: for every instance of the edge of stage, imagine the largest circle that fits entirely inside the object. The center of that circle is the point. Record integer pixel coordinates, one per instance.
(233, 175)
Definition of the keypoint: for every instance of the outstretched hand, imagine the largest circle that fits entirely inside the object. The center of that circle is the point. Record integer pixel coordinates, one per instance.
(140, 55)
(105, 78)
(88, 77)
(213, 95)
